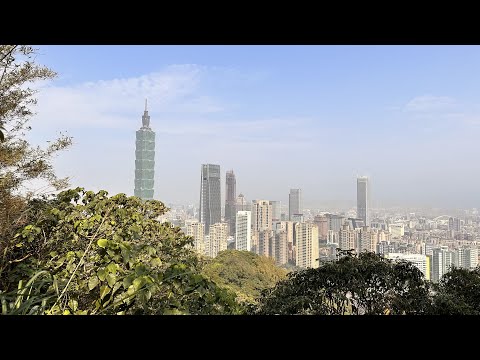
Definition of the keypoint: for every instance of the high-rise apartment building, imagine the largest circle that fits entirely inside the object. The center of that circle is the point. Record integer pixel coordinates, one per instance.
(297, 218)
(422, 262)
(384, 236)
(243, 231)
(230, 200)
(280, 247)
(347, 238)
(295, 203)
(396, 230)
(144, 159)
(427, 249)
(438, 264)
(322, 223)
(442, 261)
(332, 237)
(467, 257)
(288, 228)
(306, 245)
(276, 210)
(241, 203)
(379, 224)
(210, 202)
(363, 199)
(254, 241)
(196, 230)
(385, 247)
(335, 222)
(454, 224)
(265, 243)
(473, 252)
(261, 215)
(367, 239)
(217, 239)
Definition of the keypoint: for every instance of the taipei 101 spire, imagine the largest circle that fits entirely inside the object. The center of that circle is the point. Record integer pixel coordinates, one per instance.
(146, 117)
(145, 159)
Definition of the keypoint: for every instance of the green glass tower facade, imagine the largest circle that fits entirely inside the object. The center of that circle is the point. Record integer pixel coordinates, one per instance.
(145, 159)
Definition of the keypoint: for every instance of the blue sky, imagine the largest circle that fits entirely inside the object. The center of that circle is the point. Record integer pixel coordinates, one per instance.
(281, 117)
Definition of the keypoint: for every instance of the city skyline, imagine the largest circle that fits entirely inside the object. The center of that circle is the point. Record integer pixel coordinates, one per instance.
(407, 113)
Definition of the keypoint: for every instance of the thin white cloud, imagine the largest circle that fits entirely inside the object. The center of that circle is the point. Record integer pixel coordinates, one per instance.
(178, 104)
(430, 103)
(192, 127)
(115, 103)
(445, 108)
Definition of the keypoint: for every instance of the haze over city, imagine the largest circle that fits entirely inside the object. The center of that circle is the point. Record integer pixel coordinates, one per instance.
(282, 117)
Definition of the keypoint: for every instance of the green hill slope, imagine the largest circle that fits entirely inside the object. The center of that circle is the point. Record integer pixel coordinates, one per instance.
(244, 272)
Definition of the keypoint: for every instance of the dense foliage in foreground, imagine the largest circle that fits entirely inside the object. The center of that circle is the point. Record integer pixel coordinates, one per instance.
(88, 253)
(364, 284)
(368, 284)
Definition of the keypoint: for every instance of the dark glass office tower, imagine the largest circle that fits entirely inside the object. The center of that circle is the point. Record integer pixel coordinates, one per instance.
(295, 203)
(230, 201)
(362, 200)
(210, 202)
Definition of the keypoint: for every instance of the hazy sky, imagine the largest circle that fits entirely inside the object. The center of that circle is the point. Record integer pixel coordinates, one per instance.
(312, 117)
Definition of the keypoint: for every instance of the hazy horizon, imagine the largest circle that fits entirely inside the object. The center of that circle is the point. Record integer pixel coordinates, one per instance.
(309, 117)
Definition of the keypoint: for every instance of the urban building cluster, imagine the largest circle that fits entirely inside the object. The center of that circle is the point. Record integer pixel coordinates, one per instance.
(291, 234)
(305, 238)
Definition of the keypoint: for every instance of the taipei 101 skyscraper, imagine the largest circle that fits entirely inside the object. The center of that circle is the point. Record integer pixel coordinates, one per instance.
(145, 159)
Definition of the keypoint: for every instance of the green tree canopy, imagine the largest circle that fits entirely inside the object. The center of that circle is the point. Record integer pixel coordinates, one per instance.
(89, 253)
(21, 162)
(354, 284)
(458, 293)
(244, 272)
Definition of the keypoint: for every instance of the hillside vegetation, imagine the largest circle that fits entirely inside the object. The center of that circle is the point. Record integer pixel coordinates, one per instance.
(244, 272)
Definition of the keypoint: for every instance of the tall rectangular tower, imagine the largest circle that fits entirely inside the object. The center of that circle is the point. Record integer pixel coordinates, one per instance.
(307, 245)
(241, 204)
(348, 238)
(261, 215)
(144, 159)
(322, 224)
(230, 200)
(367, 239)
(280, 247)
(210, 202)
(362, 199)
(217, 239)
(295, 204)
(243, 232)
(276, 210)
(197, 231)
